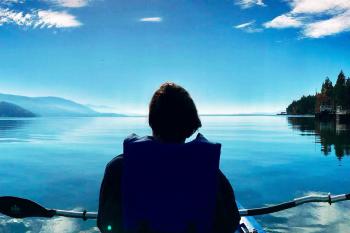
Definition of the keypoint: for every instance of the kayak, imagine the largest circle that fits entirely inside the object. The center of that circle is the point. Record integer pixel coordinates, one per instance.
(249, 224)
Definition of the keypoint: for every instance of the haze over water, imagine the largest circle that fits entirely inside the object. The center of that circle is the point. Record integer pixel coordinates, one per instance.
(59, 162)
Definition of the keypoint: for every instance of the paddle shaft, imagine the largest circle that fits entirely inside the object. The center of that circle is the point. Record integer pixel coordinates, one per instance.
(21, 208)
(243, 212)
(296, 202)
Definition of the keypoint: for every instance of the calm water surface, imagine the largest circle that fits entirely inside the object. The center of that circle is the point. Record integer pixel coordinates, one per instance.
(59, 162)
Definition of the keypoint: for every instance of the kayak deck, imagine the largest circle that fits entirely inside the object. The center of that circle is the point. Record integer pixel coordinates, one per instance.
(249, 225)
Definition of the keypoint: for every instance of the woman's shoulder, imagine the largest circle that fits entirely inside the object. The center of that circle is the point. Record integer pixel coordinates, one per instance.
(224, 183)
(116, 162)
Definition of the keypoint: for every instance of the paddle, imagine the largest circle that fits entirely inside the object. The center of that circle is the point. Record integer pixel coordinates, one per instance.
(22, 208)
(16, 207)
(296, 202)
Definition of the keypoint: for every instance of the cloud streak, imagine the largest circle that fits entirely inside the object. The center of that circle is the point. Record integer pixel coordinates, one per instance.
(151, 19)
(244, 25)
(316, 18)
(248, 27)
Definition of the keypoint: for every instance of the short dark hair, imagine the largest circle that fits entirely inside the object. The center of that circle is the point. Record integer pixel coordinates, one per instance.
(173, 115)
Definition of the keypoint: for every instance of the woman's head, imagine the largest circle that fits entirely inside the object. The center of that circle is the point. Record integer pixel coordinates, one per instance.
(173, 115)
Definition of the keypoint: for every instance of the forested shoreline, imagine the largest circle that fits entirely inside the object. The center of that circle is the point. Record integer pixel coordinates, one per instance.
(330, 97)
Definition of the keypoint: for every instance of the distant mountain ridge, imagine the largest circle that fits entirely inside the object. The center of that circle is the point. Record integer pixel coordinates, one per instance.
(13, 110)
(52, 106)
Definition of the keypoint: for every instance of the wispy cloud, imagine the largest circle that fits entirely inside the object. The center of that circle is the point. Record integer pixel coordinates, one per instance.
(316, 18)
(56, 19)
(21, 13)
(319, 6)
(12, 1)
(72, 3)
(284, 21)
(151, 19)
(334, 25)
(38, 18)
(248, 27)
(249, 3)
(8, 16)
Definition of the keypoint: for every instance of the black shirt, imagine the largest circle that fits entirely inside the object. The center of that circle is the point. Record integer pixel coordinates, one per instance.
(110, 204)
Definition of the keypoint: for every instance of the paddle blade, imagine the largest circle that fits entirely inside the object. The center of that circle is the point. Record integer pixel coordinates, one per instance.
(16, 207)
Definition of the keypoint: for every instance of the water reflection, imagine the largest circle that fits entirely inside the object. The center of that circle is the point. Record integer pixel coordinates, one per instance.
(60, 163)
(10, 130)
(332, 135)
(6, 124)
(54, 225)
(311, 218)
(34, 130)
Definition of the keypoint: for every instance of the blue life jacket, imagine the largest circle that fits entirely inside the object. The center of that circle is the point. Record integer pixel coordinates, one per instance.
(169, 188)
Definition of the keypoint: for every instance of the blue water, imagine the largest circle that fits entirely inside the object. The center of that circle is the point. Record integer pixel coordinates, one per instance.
(59, 162)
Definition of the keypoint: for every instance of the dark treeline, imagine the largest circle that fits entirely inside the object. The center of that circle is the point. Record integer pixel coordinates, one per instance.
(305, 105)
(330, 96)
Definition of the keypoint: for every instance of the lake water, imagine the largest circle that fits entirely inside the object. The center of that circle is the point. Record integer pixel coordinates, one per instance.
(59, 162)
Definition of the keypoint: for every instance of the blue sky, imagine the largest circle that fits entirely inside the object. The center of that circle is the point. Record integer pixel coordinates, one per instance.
(234, 56)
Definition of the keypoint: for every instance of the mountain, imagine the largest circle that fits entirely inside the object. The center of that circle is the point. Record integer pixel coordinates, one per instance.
(52, 106)
(13, 110)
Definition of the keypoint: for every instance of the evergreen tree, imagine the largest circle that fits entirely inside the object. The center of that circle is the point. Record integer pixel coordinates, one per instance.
(340, 90)
(327, 92)
(347, 93)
